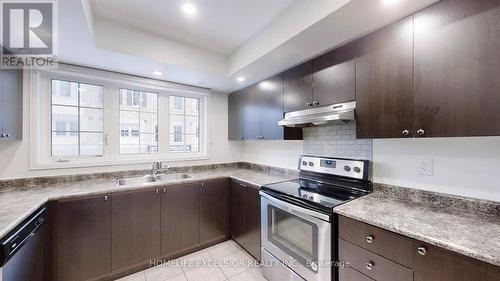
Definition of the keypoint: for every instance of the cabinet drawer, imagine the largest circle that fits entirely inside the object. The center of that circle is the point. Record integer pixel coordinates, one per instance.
(349, 274)
(381, 268)
(387, 244)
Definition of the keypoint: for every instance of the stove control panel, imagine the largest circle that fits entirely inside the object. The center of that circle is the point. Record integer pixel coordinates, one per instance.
(357, 169)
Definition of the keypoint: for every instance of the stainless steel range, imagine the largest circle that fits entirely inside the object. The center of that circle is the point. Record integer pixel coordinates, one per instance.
(299, 229)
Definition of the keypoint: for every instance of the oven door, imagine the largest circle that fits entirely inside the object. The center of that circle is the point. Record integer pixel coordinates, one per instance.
(298, 237)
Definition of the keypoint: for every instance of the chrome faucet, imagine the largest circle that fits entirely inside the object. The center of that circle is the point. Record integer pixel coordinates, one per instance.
(158, 167)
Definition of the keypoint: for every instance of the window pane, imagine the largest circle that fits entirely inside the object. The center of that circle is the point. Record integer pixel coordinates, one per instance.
(148, 123)
(91, 120)
(192, 143)
(149, 143)
(91, 144)
(176, 105)
(176, 121)
(129, 144)
(126, 98)
(91, 96)
(149, 102)
(192, 106)
(129, 120)
(64, 114)
(64, 144)
(191, 125)
(64, 93)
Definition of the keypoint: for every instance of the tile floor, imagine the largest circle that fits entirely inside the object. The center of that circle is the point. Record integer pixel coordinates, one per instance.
(225, 261)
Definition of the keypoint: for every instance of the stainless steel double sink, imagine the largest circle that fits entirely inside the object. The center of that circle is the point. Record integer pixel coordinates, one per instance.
(151, 179)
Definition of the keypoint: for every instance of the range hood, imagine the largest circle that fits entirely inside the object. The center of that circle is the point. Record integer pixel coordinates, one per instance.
(342, 112)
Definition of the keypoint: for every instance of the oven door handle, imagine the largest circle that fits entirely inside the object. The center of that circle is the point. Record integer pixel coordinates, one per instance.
(303, 212)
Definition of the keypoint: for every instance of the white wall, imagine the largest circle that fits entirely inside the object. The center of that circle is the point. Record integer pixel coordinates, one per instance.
(462, 166)
(14, 155)
(283, 154)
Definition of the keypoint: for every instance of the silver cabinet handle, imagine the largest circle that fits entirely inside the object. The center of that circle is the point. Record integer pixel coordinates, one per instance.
(405, 133)
(420, 132)
(369, 265)
(369, 239)
(157, 191)
(164, 190)
(105, 197)
(422, 251)
(315, 103)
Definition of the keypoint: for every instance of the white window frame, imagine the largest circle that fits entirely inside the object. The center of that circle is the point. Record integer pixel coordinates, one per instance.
(40, 119)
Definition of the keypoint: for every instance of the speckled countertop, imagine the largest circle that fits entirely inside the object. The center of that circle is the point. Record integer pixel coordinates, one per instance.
(18, 202)
(463, 225)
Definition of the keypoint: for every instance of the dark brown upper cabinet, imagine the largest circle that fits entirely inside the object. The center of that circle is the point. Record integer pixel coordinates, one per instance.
(82, 238)
(11, 103)
(457, 65)
(334, 76)
(180, 218)
(254, 112)
(214, 211)
(298, 87)
(135, 228)
(384, 82)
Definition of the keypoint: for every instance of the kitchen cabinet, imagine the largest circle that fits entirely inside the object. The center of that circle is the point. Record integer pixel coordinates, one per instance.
(214, 211)
(82, 238)
(180, 218)
(135, 228)
(456, 69)
(334, 76)
(378, 254)
(235, 115)
(298, 87)
(433, 263)
(11, 103)
(245, 217)
(254, 112)
(384, 82)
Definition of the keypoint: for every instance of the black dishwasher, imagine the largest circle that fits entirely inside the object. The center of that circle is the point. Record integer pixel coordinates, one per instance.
(23, 252)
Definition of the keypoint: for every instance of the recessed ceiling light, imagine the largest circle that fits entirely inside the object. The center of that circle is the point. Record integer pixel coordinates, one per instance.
(189, 9)
(240, 79)
(390, 2)
(157, 73)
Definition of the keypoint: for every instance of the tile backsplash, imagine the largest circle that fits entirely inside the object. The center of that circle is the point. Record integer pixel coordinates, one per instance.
(337, 140)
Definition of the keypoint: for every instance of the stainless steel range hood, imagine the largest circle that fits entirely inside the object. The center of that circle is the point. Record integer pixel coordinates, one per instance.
(342, 112)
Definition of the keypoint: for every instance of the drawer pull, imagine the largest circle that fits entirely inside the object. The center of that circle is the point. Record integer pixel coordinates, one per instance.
(369, 239)
(369, 265)
(422, 251)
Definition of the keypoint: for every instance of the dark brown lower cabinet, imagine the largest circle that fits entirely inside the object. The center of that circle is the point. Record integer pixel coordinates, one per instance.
(245, 217)
(82, 238)
(442, 265)
(214, 210)
(135, 228)
(180, 218)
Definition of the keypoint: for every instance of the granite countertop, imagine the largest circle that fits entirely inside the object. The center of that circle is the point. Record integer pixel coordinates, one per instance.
(467, 226)
(18, 202)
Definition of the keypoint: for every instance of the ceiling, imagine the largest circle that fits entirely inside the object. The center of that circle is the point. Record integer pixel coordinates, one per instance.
(227, 39)
(219, 25)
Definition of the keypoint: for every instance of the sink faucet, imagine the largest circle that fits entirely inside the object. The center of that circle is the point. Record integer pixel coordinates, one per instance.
(158, 167)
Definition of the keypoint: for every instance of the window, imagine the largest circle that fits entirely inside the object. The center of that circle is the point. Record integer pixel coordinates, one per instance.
(184, 119)
(77, 119)
(138, 122)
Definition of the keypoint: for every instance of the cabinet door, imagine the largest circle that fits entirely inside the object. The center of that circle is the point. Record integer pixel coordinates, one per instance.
(271, 107)
(135, 228)
(83, 238)
(235, 121)
(251, 113)
(298, 87)
(251, 237)
(214, 210)
(180, 218)
(384, 81)
(11, 103)
(334, 76)
(236, 211)
(439, 264)
(457, 43)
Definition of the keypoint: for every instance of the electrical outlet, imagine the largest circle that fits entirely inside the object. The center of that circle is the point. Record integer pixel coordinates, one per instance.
(426, 167)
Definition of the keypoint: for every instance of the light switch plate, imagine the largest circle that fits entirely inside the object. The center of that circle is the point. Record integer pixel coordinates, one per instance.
(426, 167)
